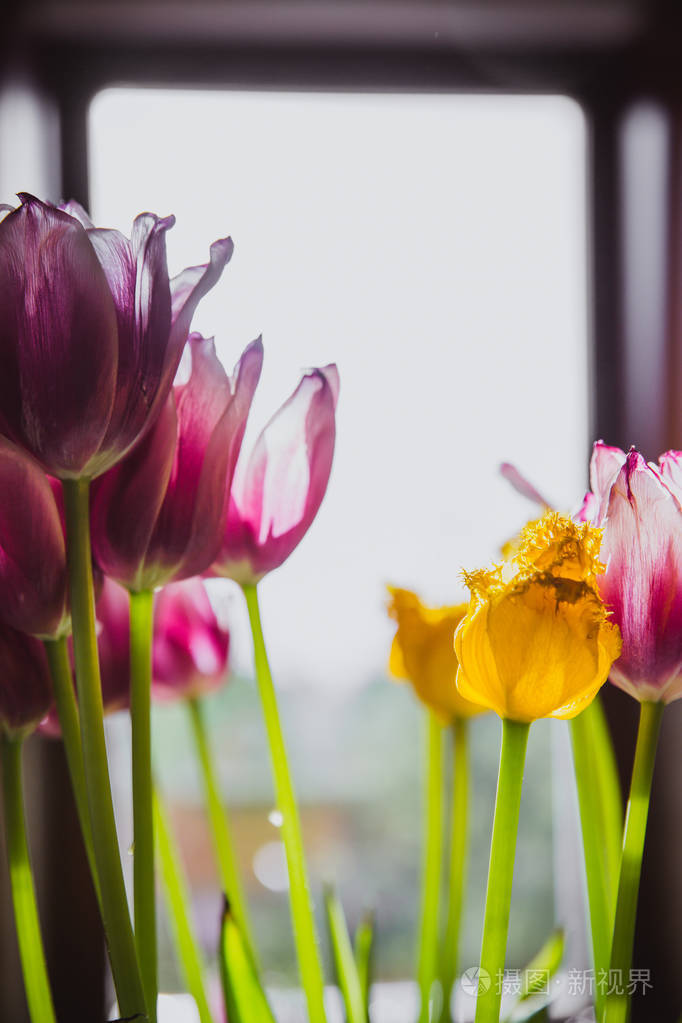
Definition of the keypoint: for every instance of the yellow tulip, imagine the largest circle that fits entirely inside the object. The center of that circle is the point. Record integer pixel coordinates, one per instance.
(536, 641)
(423, 653)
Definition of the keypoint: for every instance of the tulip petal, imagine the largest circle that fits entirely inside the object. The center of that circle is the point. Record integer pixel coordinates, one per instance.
(137, 273)
(58, 339)
(278, 490)
(212, 412)
(190, 647)
(26, 690)
(605, 464)
(32, 549)
(126, 502)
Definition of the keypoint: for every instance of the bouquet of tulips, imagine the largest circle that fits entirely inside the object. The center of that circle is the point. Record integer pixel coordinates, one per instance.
(123, 483)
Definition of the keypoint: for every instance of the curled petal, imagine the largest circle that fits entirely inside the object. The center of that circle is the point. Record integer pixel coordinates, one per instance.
(58, 339)
(33, 590)
(278, 490)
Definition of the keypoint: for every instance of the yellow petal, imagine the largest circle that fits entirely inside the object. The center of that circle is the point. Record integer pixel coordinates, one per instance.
(423, 652)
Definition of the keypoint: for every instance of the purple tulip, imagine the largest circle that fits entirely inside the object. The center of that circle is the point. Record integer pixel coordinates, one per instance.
(278, 489)
(190, 647)
(157, 515)
(33, 591)
(25, 687)
(639, 507)
(91, 332)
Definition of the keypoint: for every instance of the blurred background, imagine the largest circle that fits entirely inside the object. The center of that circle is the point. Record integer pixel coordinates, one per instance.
(474, 210)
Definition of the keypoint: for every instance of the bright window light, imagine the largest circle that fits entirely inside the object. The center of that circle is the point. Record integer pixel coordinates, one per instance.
(434, 247)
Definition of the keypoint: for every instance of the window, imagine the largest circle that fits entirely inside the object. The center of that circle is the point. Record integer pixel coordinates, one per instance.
(433, 246)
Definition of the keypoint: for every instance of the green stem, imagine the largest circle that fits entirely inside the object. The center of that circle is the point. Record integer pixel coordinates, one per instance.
(178, 905)
(301, 908)
(459, 828)
(141, 633)
(501, 870)
(427, 965)
(67, 711)
(36, 982)
(115, 915)
(221, 831)
(602, 829)
(618, 1003)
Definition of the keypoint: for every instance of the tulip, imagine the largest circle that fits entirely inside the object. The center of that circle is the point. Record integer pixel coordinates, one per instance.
(91, 332)
(278, 489)
(33, 591)
(157, 516)
(423, 652)
(639, 507)
(190, 647)
(25, 689)
(536, 642)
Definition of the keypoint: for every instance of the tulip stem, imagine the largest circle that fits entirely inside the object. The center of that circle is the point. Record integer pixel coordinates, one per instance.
(427, 965)
(36, 982)
(114, 905)
(459, 828)
(221, 830)
(301, 908)
(601, 817)
(178, 904)
(141, 633)
(67, 711)
(501, 869)
(618, 1001)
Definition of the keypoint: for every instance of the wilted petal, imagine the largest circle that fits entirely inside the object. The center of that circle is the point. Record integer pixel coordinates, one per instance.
(536, 640)
(33, 591)
(25, 687)
(522, 485)
(58, 339)
(190, 647)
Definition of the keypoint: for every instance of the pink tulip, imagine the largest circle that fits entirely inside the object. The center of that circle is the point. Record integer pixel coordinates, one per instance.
(33, 593)
(278, 489)
(190, 647)
(157, 515)
(639, 507)
(91, 332)
(189, 651)
(25, 687)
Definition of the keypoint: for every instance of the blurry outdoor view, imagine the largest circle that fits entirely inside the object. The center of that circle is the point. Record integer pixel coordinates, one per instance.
(434, 247)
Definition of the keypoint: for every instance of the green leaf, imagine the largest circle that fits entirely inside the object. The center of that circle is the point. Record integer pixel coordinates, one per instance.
(601, 819)
(543, 966)
(363, 948)
(344, 961)
(245, 999)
